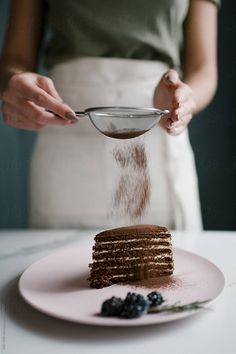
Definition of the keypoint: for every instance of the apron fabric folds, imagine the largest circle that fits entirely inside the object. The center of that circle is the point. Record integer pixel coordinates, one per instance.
(73, 172)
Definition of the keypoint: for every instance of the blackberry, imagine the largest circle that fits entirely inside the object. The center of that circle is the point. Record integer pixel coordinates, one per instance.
(112, 307)
(134, 305)
(155, 298)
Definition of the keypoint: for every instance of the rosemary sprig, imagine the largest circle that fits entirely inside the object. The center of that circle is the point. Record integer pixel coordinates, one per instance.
(178, 307)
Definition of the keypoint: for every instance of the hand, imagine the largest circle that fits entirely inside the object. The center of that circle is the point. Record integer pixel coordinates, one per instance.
(26, 98)
(173, 94)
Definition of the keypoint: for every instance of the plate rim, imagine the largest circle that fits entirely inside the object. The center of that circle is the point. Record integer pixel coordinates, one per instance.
(124, 323)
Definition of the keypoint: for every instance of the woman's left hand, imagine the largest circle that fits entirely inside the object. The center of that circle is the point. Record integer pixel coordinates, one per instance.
(173, 94)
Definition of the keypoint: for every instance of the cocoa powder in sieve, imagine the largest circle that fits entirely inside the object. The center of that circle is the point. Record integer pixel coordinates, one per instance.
(132, 193)
(124, 133)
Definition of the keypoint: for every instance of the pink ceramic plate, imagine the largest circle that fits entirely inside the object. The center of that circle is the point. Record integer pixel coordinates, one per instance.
(57, 285)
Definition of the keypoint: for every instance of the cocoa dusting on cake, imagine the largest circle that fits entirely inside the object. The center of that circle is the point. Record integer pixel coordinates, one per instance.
(132, 194)
(128, 232)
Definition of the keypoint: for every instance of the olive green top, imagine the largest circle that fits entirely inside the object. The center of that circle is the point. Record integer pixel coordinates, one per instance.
(138, 29)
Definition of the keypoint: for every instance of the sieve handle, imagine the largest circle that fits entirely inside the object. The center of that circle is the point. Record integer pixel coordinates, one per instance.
(78, 114)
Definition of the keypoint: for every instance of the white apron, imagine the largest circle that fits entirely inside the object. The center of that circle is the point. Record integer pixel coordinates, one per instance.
(73, 172)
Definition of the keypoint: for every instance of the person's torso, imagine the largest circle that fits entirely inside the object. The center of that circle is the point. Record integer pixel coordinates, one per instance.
(151, 29)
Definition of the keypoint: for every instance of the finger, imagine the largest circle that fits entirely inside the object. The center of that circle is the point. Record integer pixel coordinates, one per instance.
(184, 120)
(29, 112)
(23, 105)
(176, 131)
(177, 114)
(171, 77)
(177, 127)
(187, 108)
(168, 123)
(174, 117)
(165, 120)
(41, 116)
(181, 95)
(47, 84)
(43, 99)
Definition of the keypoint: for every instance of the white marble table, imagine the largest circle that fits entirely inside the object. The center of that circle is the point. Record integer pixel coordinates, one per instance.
(24, 330)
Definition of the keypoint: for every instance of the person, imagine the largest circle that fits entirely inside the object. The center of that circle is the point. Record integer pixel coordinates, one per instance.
(135, 53)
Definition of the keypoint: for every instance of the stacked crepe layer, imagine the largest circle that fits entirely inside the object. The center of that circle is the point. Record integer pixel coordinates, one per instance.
(131, 253)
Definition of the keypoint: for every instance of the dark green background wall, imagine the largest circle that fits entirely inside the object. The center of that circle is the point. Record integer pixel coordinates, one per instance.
(213, 136)
(15, 148)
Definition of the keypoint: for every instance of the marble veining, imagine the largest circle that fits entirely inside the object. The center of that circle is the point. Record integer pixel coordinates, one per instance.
(29, 250)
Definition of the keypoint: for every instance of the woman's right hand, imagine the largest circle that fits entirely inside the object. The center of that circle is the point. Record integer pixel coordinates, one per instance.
(26, 99)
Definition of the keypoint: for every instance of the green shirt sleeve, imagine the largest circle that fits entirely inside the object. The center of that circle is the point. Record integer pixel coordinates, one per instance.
(216, 2)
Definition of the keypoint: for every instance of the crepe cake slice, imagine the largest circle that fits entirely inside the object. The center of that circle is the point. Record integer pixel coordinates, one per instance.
(131, 253)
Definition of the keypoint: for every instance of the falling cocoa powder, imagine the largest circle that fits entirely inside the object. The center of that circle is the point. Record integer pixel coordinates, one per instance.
(132, 194)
